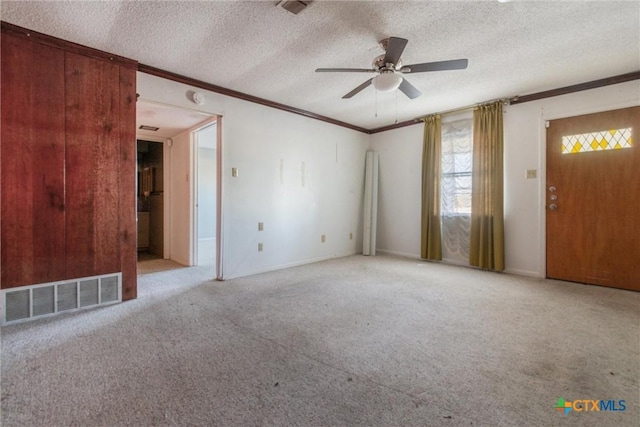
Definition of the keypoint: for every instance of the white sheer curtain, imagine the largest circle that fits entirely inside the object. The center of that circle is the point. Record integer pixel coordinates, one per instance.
(457, 163)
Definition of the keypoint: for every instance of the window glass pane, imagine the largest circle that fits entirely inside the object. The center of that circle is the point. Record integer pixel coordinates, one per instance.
(457, 164)
(457, 161)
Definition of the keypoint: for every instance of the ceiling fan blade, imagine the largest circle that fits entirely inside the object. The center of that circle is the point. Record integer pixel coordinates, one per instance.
(454, 64)
(358, 89)
(345, 70)
(408, 89)
(395, 47)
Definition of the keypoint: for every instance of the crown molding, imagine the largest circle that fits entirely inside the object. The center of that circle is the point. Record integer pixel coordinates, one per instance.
(147, 69)
(621, 78)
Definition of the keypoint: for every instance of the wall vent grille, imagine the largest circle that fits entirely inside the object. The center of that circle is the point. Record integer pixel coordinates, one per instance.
(294, 6)
(47, 299)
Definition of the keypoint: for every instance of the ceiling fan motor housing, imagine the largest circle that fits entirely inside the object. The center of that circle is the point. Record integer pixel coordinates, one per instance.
(379, 65)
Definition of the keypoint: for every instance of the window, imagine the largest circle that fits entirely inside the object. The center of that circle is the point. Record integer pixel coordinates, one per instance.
(457, 161)
(614, 139)
(457, 164)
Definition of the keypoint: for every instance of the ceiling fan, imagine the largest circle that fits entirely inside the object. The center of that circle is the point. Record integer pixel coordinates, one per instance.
(390, 69)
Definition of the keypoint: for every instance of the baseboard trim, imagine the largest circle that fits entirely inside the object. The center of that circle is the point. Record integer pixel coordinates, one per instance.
(289, 265)
(514, 271)
(346, 254)
(457, 263)
(400, 254)
(526, 273)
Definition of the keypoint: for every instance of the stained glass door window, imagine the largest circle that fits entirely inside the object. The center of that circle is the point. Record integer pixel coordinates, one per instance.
(613, 139)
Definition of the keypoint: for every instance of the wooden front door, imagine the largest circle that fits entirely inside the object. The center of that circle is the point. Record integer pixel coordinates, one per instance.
(593, 199)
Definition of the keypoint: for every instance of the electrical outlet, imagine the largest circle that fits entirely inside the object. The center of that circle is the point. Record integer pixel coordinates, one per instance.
(350, 236)
(261, 226)
(259, 247)
(322, 238)
(234, 172)
(532, 174)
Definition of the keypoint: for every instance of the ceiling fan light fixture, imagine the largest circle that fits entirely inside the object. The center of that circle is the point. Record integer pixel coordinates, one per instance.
(387, 82)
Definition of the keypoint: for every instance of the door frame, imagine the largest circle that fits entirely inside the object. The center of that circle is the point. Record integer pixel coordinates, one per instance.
(567, 111)
(217, 120)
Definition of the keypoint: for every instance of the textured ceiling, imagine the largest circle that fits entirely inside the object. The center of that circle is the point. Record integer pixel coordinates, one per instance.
(513, 48)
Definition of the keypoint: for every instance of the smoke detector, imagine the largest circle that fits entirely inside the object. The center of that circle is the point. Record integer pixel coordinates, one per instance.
(197, 98)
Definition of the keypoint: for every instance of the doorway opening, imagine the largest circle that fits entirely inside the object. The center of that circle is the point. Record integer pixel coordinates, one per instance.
(167, 189)
(150, 200)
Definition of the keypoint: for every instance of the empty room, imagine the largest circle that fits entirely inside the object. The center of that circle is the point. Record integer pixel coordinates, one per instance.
(320, 213)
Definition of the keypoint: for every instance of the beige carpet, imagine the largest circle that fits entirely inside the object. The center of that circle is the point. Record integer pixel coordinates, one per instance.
(352, 341)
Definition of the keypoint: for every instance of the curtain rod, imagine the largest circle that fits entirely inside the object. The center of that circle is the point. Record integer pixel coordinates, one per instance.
(505, 101)
(417, 120)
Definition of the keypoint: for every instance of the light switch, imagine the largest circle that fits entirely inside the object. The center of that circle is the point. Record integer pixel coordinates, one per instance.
(322, 238)
(234, 172)
(260, 226)
(259, 247)
(532, 174)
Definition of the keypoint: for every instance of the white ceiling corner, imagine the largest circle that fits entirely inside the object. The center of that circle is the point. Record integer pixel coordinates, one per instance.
(253, 47)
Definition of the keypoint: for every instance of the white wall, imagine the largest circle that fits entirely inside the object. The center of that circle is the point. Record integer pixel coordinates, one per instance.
(525, 141)
(399, 190)
(296, 211)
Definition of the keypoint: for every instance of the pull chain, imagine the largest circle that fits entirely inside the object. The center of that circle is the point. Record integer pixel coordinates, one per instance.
(376, 102)
(396, 106)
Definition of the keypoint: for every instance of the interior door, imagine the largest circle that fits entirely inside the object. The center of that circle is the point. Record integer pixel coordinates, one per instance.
(593, 199)
(206, 183)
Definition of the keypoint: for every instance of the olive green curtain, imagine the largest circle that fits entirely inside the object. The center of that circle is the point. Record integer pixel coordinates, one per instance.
(431, 240)
(487, 211)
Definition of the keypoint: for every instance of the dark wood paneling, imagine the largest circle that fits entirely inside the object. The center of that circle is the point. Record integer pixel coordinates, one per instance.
(68, 161)
(127, 195)
(32, 153)
(68, 46)
(92, 166)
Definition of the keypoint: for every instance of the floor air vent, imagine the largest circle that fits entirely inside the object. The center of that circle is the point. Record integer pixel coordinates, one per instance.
(30, 302)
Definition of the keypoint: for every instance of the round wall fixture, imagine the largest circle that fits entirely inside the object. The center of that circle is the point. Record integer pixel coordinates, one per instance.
(198, 98)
